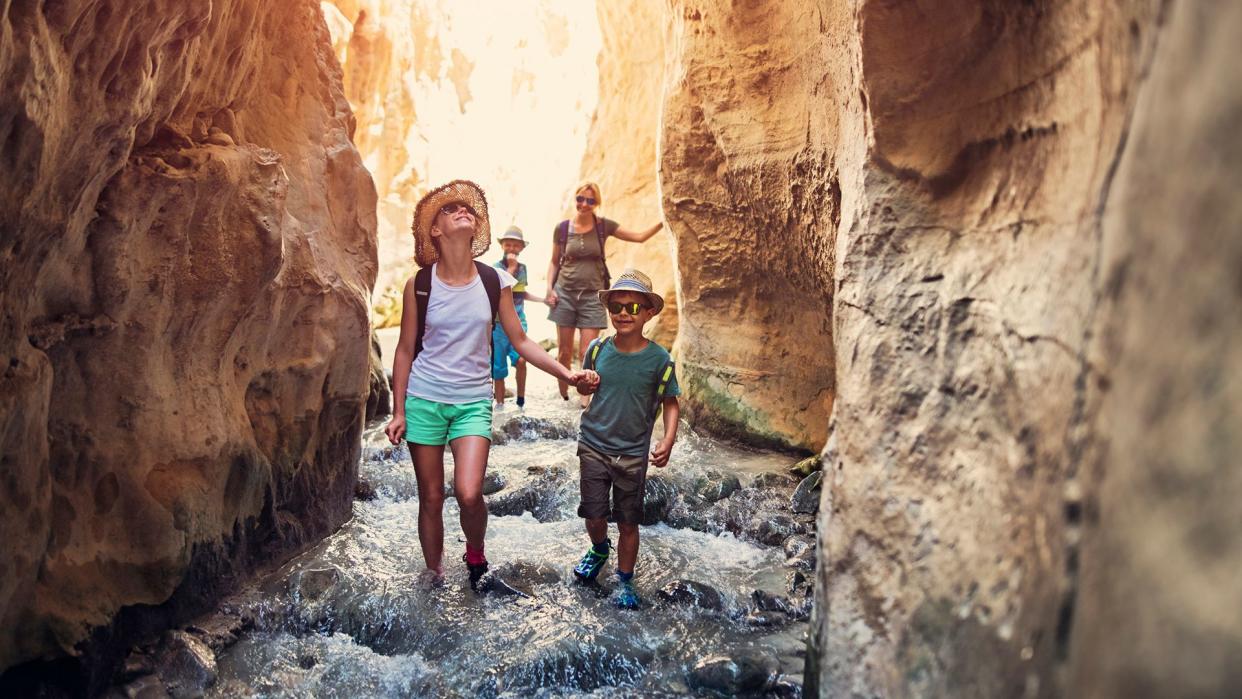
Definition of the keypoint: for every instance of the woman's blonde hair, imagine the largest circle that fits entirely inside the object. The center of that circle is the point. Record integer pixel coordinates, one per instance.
(599, 198)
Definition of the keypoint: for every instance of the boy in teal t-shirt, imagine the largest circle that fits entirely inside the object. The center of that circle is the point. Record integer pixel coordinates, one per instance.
(637, 379)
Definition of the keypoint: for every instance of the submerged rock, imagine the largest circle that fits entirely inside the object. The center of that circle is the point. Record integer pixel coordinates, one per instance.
(313, 583)
(744, 671)
(530, 573)
(692, 593)
(713, 485)
(542, 497)
(773, 529)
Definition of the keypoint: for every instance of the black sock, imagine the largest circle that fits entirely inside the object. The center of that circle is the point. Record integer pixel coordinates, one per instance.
(601, 547)
(521, 401)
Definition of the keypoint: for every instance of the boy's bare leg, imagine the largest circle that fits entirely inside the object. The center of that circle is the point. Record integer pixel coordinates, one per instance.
(499, 390)
(597, 529)
(469, 467)
(429, 471)
(564, 354)
(627, 547)
(521, 378)
(588, 335)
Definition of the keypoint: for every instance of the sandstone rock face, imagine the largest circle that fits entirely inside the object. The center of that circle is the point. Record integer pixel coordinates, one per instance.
(945, 187)
(751, 190)
(621, 147)
(187, 253)
(1157, 610)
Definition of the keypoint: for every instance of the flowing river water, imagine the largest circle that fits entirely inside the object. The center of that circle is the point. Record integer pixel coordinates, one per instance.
(724, 575)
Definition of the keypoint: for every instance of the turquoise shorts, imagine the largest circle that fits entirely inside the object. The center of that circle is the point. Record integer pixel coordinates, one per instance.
(436, 424)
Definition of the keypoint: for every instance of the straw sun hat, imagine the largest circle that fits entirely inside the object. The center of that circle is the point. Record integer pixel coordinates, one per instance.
(425, 253)
(633, 280)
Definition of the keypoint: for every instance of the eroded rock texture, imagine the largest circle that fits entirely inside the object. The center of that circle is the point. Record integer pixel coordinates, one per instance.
(1024, 363)
(187, 250)
(621, 146)
(752, 193)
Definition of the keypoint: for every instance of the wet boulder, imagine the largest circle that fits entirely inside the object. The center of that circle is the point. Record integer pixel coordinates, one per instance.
(773, 481)
(771, 529)
(688, 593)
(542, 497)
(805, 498)
(186, 666)
(659, 498)
(713, 485)
(768, 602)
(742, 672)
(762, 619)
(521, 427)
(800, 552)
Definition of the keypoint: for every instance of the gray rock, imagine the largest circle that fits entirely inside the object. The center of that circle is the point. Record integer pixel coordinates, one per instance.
(186, 666)
(772, 481)
(713, 485)
(805, 499)
(658, 499)
(767, 602)
(691, 593)
(744, 671)
(771, 529)
(800, 552)
(764, 619)
(530, 573)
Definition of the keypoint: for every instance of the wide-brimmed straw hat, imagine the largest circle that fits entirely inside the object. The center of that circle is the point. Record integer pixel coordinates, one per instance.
(514, 233)
(425, 253)
(633, 280)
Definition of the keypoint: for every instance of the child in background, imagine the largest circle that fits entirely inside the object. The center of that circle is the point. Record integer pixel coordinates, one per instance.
(503, 352)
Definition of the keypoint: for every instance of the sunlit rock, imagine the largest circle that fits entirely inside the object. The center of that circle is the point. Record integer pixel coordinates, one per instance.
(188, 248)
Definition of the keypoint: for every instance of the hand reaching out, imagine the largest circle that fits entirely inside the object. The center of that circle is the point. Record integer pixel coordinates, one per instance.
(587, 382)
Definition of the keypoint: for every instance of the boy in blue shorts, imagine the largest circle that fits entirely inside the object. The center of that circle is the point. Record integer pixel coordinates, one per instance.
(637, 380)
(503, 353)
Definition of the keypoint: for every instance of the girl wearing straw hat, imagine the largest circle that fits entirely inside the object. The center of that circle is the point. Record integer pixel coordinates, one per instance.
(578, 271)
(443, 364)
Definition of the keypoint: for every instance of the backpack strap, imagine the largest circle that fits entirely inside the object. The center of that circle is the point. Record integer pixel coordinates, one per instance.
(592, 353)
(666, 373)
(562, 239)
(491, 282)
(603, 257)
(422, 295)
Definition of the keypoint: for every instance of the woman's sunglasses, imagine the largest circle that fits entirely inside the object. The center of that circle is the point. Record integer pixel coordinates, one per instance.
(632, 308)
(453, 207)
(589, 201)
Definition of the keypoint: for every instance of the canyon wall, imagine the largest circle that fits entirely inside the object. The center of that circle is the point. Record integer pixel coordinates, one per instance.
(752, 193)
(621, 146)
(187, 254)
(957, 229)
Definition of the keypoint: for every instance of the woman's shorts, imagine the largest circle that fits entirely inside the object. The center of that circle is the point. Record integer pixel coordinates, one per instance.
(578, 309)
(436, 424)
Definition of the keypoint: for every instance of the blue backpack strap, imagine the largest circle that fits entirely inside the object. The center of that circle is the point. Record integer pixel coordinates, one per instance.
(422, 296)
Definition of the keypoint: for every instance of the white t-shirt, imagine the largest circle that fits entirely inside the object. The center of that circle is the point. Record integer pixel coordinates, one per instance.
(455, 365)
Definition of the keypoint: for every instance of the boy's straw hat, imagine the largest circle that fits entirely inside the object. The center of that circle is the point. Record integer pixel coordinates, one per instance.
(633, 280)
(425, 252)
(514, 233)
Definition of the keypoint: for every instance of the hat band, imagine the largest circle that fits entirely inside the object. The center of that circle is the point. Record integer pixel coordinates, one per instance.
(628, 285)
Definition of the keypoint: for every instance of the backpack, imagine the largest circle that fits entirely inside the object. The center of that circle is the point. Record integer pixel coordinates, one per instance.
(657, 400)
(562, 239)
(422, 295)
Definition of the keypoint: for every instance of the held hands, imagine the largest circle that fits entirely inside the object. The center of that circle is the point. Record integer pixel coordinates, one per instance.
(395, 429)
(587, 382)
(551, 298)
(660, 453)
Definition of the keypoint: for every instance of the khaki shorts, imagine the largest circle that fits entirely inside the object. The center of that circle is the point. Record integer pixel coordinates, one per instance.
(578, 309)
(625, 476)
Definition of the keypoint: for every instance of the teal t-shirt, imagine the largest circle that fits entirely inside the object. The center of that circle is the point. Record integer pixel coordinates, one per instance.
(619, 419)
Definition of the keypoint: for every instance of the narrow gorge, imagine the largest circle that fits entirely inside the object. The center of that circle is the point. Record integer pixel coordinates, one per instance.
(979, 261)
